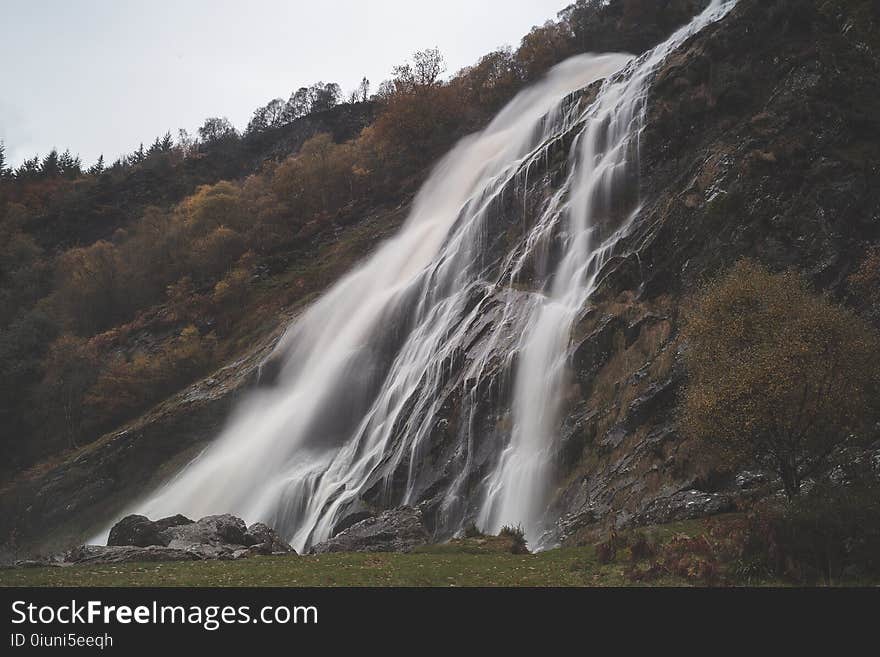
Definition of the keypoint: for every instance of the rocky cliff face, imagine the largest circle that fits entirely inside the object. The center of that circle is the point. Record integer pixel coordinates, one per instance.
(762, 139)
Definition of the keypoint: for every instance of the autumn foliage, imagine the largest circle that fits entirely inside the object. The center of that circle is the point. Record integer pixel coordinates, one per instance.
(778, 376)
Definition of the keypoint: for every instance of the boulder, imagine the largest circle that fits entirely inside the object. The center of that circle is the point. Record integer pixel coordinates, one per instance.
(177, 538)
(140, 531)
(262, 539)
(219, 530)
(397, 530)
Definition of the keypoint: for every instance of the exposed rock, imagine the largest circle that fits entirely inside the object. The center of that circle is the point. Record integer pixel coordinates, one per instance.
(140, 531)
(353, 517)
(98, 554)
(178, 538)
(397, 530)
(686, 505)
(262, 539)
(222, 530)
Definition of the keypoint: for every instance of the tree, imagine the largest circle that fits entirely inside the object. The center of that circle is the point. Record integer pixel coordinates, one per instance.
(299, 104)
(428, 65)
(185, 143)
(363, 90)
(4, 172)
(864, 285)
(273, 115)
(542, 48)
(88, 290)
(216, 129)
(69, 166)
(70, 369)
(324, 96)
(49, 167)
(423, 72)
(29, 169)
(778, 376)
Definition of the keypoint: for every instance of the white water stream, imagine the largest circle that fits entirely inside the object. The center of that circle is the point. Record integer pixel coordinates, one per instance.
(367, 368)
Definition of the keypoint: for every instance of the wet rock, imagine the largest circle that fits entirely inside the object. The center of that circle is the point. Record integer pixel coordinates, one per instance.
(262, 539)
(686, 505)
(140, 531)
(658, 395)
(349, 520)
(597, 347)
(397, 530)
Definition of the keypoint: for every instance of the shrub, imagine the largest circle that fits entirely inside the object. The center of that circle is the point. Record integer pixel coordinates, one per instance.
(517, 536)
(472, 531)
(778, 375)
(642, 547)
(829, 533)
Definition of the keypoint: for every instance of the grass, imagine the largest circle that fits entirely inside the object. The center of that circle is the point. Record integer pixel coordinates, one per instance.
(478, 561)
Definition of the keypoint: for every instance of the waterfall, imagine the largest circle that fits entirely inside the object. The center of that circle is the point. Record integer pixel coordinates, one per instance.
(435, 370)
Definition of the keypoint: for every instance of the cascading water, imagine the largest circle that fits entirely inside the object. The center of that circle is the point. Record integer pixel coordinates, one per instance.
(470, 307)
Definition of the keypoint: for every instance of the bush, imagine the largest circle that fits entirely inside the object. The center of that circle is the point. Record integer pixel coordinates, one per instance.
(778, 375)
(472, 531)
(830, 533)
(642, 547)
(606, 551)
(518, 537)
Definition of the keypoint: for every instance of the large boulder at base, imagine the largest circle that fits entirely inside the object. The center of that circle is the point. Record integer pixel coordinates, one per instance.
(219, 530)
(140, 531)
(262, 539)
(177, 538)
(397, 530)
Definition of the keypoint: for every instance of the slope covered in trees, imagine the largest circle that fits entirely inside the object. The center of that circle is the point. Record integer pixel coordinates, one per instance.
(120, 284)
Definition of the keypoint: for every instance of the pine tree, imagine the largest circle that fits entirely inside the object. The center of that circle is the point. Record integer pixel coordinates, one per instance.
(4, 172)
(155, 148)
(50, 167)
(29, 169)
(167, 142)
(98, 167)
(69, 166)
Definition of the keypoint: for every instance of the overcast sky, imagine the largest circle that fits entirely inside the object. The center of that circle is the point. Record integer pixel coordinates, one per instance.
(101, 76)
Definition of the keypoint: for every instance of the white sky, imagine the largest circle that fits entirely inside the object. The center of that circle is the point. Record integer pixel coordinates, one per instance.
(101, 76)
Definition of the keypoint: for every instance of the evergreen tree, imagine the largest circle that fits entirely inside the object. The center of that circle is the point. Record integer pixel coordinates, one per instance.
(50, 167)
(155, 148)
(167, 142)
(29, 169)
(139, 155)
(69, 166)
(4, 171)
(98, 167)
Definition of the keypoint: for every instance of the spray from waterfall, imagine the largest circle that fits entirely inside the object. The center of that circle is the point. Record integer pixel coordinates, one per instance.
(472, 301)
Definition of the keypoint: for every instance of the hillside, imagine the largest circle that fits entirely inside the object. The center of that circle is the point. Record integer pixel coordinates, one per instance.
(139, 302)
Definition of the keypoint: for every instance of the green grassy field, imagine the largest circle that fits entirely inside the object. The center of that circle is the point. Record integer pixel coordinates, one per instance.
(472, 562)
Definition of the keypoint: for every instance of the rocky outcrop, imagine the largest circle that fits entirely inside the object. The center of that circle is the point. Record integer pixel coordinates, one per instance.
(177, 538)
(397, 530)
(140, 531)
(223, 530)
(106, 554)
